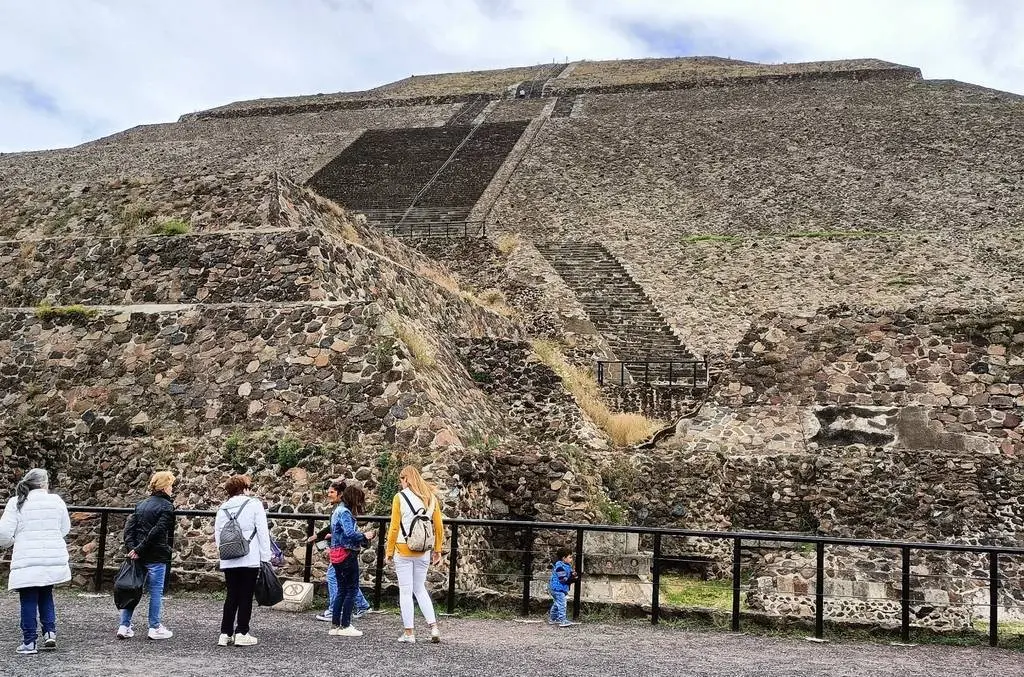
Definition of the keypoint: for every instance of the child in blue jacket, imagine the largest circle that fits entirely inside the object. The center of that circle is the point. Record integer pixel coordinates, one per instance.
(562, 576)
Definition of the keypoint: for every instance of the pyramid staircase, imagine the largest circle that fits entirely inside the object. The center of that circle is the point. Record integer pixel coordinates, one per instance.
(647, 348)
(422, 182)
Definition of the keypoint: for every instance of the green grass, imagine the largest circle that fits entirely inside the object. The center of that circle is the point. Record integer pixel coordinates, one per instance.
(171, 227)
(837, 233)
(689, 239)
(710, 238)
(685, 591)
(45, 311)
(1005, 627)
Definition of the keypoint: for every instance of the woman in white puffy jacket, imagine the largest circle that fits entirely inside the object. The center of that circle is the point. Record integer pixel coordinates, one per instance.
(36, 522)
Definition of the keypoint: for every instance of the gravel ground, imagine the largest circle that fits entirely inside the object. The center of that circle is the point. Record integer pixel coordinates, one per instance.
(296, 644)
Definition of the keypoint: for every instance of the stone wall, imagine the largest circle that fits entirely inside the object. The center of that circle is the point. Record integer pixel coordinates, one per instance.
(296, 144)
(707, 71)
(528, 389)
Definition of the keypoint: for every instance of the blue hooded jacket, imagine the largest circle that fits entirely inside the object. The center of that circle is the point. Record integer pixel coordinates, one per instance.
(561, 577)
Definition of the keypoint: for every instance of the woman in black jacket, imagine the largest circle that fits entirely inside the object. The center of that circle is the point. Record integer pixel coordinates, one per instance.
(148, 538)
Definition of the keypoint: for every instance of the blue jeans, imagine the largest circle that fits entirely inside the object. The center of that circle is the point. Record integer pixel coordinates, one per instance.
(155, 584)
(37, 602)
(332, 592)
(348, 583)
(557, 613)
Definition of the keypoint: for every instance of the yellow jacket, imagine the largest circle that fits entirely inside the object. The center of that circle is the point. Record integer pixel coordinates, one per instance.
(396, 521)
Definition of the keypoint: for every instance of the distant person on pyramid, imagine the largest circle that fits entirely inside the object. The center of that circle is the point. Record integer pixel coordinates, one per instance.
(148, 538)
(415, 537)
(35, 522)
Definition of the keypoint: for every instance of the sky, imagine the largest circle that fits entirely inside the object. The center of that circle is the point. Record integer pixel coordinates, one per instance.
(76, 70)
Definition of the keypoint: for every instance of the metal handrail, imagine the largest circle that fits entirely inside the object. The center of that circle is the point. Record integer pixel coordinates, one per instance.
(530, 529)
(679, 371)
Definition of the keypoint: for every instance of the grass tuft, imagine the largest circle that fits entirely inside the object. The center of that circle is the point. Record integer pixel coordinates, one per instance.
(508, 243)
(623, 429)
(45, 311)
(171, 227)
(421, 351)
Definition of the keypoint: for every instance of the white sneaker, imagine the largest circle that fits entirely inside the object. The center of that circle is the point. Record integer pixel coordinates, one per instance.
(435, 634)
(160, 633)
(49, 641)
(245, 640)
(407, 639)
(125, 632)
(225, 640)
(27, 648)
(324, 616)
(347, 631)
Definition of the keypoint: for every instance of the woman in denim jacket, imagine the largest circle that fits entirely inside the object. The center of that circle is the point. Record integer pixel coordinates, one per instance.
(345, 534)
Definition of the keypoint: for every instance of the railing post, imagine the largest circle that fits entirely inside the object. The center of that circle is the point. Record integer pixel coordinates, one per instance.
(905, 595)
(736, 548)
(453, 563)
(993, 599)
(527, 570)
(656, 581)
(819, 590)
(307, 565)
(101, 554)
(622, 373)
(600, 373)
(647, 373)
(693, 366)
(670, 373)
(577, 591)
(378, 574)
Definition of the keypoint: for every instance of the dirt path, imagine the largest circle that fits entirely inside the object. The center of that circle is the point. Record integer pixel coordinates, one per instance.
(296, 644)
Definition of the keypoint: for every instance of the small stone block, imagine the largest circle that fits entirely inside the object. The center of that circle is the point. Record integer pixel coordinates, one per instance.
(298, 596)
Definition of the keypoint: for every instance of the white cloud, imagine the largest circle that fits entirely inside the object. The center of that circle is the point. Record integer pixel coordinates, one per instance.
(112, 64)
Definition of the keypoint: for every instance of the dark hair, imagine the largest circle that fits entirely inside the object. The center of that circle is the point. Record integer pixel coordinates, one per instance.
(337, 485)
(563, 552)
(354, 499)
(236, 484)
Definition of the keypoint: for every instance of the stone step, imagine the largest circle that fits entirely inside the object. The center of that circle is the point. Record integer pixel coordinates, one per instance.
(618, 306)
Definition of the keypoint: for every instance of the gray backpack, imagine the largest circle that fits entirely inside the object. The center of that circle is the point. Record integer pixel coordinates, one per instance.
(233, 543)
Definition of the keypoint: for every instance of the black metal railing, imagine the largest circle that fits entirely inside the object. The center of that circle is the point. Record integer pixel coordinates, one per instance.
(441, 229)
(687, 372)
(660, 560)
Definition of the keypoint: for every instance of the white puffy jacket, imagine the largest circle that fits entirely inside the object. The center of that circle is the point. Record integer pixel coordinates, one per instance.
(37, 531)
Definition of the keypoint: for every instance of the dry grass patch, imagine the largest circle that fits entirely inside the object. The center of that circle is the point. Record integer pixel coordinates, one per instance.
(508, 243)
(439, 278)
(420, 349)
(623, 429)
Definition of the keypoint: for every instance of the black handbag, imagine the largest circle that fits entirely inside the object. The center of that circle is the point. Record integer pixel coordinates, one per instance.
(268, 589)
(129, 584)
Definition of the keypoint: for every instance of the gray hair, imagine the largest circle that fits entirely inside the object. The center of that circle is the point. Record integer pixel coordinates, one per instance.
(36, 478)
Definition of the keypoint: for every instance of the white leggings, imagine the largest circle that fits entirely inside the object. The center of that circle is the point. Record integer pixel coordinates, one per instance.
(412, 575)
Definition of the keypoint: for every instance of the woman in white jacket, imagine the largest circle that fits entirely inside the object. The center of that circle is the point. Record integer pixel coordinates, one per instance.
(240, 572)
(36, 522)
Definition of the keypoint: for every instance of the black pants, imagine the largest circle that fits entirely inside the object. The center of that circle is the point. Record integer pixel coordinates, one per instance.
(241, 582)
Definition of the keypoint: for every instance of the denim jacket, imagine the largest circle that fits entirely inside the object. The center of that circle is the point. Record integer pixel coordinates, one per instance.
(561, 577)
(344, 531)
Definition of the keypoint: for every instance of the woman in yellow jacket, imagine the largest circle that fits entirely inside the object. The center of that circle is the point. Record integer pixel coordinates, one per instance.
(411, 509)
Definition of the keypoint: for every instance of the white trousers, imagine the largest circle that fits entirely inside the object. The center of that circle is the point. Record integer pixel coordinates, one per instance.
(412, 578)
